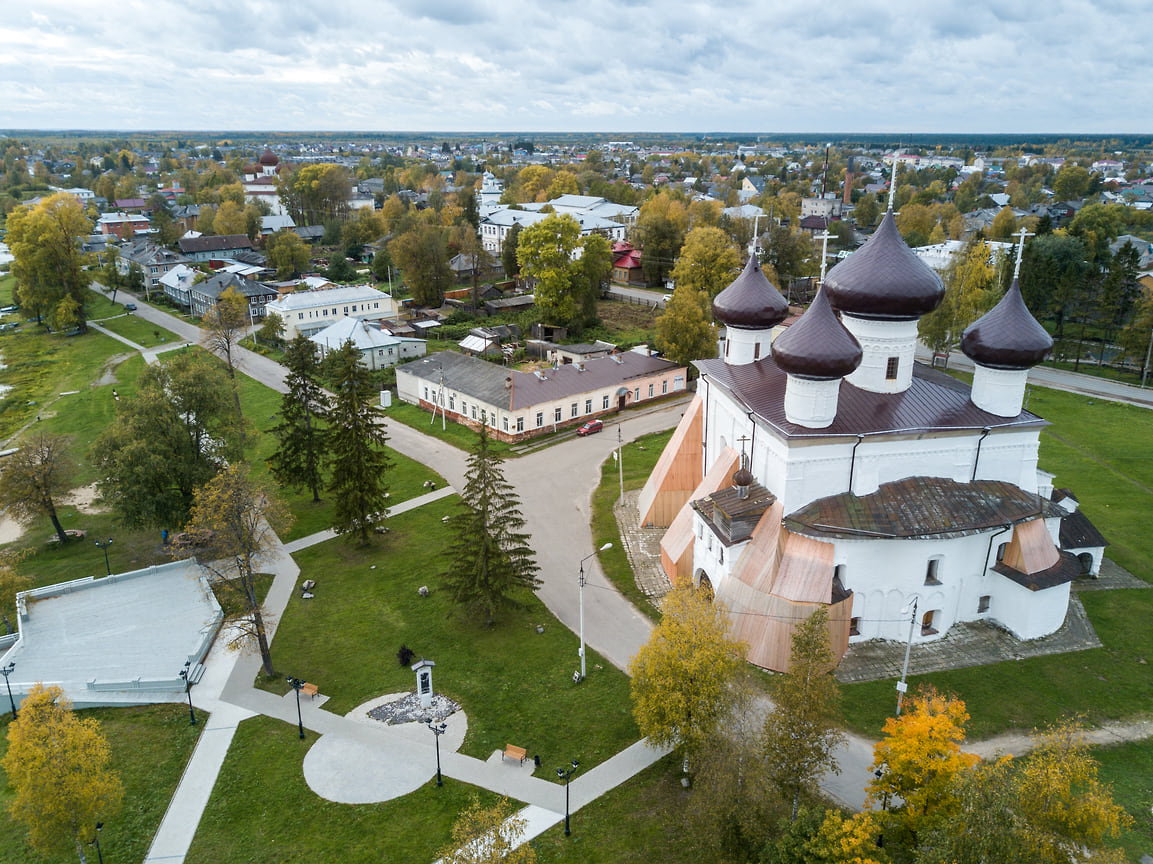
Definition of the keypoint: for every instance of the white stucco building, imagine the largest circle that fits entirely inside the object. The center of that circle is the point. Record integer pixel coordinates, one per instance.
(378, 348)
(823, 467)
(309, 312)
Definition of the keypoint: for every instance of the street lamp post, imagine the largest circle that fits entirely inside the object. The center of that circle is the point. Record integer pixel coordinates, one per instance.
(582, 603)
(902, 686)
(96, 842)
(621, 461)
(296, 684)
(6, 671)
(104, 546)
(188, 692)
(436, 729)
(564, 774)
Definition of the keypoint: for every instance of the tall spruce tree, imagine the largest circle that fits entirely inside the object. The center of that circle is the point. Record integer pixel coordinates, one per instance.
(299, 461)
(358, 460)
(491, 557)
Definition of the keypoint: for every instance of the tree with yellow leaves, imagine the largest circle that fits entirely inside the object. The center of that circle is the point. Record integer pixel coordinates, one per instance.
(488, 835)
(916, 762)
(684, 678)
(57, 765)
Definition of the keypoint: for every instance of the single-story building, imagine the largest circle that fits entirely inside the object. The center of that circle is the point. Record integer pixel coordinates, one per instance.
(521, 405)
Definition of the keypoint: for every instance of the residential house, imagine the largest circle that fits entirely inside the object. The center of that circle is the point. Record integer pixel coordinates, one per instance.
(216, 247)
(378, 348)
(627, 267)
(153, 259)
(309, 312)
(202, 296)
(177, 284)
(521, 405)
(123, 225)
(495, 227)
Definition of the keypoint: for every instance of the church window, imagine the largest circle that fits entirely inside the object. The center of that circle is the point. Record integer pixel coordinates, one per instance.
(855, 626)
(891, 368)
(721, 556)
(933, 572)
(983, 603)
(839, 573)
(928, 622)
(1001, 551)
(757, 351)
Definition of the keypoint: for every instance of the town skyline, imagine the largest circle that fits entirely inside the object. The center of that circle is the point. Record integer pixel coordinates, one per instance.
(677, 67)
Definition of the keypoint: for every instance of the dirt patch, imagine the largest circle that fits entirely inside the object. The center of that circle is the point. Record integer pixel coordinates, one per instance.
(108, 373)
(10, 529)
(84, 498)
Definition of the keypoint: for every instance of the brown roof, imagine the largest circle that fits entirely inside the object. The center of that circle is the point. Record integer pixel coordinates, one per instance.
(920, 507)
(1007, 336)
(884, 279)
(1077, 532)
(1065, 570)
(818, 346)
(573, 379)
(933, 401)
(731, 517)
(750, 302)
(218, 243)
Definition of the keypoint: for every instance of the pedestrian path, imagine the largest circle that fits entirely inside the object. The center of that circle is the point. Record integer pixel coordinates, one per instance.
(295, 546)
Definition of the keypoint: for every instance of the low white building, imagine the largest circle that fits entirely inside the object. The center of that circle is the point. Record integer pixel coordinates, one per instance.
(378, 348)
(309, 312)
(177, 284)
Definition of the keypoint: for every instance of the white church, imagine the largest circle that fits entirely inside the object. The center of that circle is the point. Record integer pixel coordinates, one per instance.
(819, 465)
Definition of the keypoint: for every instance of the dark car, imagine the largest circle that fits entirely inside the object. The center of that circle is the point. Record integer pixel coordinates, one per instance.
(131, 307)
(591, 427)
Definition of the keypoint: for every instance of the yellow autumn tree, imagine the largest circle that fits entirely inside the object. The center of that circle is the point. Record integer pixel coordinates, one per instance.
(915, 764)
(488, 835)
(57, 766)
(684, 678)
(847, 840)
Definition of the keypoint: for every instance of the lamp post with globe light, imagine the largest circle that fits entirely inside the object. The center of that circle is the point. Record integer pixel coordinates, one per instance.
(582, 604)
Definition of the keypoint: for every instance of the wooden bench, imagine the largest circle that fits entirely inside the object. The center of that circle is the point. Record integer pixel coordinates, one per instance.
(514, 752)
(310, 690)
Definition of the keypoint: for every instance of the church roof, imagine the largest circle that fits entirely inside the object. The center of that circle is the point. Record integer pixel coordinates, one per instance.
(268, 158)
(1077, 532)
(884, 279)
(933, 401)
(1007, 336)
(750, 302)
(920, 507)
(818, 346)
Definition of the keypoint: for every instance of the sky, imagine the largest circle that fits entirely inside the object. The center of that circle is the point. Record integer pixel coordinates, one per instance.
(977, 66)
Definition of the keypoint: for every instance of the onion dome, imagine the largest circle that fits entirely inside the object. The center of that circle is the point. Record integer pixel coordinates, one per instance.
(884, 279)
(743, 477)
(268, 158)
(1007, 336)
(750, 302)
(817, 346)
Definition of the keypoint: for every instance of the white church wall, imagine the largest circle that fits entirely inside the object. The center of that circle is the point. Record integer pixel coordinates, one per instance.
(1029, 614)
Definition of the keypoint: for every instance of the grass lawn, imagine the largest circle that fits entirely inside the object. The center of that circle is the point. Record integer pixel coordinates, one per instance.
(262, 810)
(515, 684)
(456, 434)
(138, 330)
(639, 458)
(150, 747)
(1128, 768)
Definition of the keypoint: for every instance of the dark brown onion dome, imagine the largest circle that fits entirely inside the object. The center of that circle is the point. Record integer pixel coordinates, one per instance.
(884, 279)
(268, 158)
(1007, 336)
(750, 302)
(743, 477)
(817, 346)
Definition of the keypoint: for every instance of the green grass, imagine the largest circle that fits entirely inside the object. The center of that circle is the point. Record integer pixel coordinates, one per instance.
(1128, 768)
(514, 684)
(639, 458)
(456, 434)
(150, 747)
(262, 810)
(139, 331)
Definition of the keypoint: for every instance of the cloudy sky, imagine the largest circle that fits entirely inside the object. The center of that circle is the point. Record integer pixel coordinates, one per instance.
(593, 65)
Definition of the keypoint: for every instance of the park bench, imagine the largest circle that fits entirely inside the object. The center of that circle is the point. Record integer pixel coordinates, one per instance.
(514, 752)
(310, 690)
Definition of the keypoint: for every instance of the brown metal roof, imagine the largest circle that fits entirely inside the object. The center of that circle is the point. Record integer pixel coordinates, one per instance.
(818, 346)
(919, 507)
(884, 279)
(1007, 336)
(1077, 532)
(574, 379)
(934, 401)
(1065, 570)
(750, 302)
(732, 518)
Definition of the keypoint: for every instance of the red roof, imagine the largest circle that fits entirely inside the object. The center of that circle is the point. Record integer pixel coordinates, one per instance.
(630, 259)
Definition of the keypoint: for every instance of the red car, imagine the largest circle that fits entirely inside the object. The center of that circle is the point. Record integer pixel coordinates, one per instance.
(591, 427)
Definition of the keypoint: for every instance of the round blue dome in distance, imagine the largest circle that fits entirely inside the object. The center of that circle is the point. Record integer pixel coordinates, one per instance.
(817, 346)
(1007, 336)
(750, 302)
(884, 279)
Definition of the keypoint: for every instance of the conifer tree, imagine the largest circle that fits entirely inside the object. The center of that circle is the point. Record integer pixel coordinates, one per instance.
(358, 460)
(490, 557)
(299, 460)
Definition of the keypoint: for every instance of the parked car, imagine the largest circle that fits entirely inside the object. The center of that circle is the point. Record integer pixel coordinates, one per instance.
(591, 427)
(666, 299)
(131, 307)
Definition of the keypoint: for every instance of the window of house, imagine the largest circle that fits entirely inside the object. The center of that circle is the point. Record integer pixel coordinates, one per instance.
(425, 394)
(474, 411)
(637, 395)
(504, 423)
(451, 403)
(933, 572)
(679, 382)
(588, 406)
(855, 626)
(651, 391)
(575, 412)
(556, 414)
(539, 419)
(325, 313)
(605, 403)
(983, 603)
(520, 424)
(345, 311)
(891, 368)
(299, 316)
(665, 386)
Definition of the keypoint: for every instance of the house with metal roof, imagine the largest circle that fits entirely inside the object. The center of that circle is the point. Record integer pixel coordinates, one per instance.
(521, 405)
(378, 348)
(822, 467)
(202, 296)
(309, 312)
